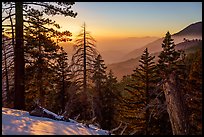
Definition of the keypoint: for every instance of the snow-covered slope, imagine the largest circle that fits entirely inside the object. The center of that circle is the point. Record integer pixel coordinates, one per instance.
(17, 122)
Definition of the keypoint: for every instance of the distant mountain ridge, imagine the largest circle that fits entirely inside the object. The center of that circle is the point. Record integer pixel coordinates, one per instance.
(112, 50)
(192, 43)
(126, 67)
(193, 31)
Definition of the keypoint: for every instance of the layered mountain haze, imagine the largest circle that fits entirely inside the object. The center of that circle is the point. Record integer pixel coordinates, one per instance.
(193, 41)
(122, 54)
(189, 46)
(113, 50)
(126, 67)
(193, 31)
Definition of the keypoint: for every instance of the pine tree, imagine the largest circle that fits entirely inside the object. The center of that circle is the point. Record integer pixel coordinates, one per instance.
(121, 111)
(7, 71)
(41, 53)
(36, 50)
(8, 62)
(109, 101)
(169, 56)
(149, 78)
(19, 63)
(142, 94)
(98, 78)
(61, 8)
(170, 73)
(63, 78)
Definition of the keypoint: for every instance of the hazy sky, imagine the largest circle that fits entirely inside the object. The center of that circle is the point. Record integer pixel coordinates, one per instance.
(131, 19)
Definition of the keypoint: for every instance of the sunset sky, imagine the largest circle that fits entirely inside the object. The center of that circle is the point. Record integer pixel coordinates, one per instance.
(131, 19)
(109, 21)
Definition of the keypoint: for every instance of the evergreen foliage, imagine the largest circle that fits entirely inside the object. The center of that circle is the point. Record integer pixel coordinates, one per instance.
(98, 78)
(156, 99)
(193, 97)
(42, 55)
(109, 102)
(168, 56)
(49, 8)
(140, 103)
(7, 72)
(63, 76)
(172, 71)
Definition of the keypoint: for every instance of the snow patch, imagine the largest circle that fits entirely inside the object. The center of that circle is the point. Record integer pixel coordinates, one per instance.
(18, 122)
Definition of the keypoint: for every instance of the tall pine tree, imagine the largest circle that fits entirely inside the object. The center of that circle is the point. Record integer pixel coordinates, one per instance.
(41, 53)
(170, 72)
(59, 8)
(142, 93)
(7, 72)
(63, 78)
(108, 98)
(98, 78)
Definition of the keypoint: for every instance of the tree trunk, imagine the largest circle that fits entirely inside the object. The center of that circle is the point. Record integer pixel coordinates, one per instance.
(175, 106)
(40, 82)
(84, 84)
(97, 103)
(40, 67)
(19, 63)
(147, 103)
(42, 112)
(63, 91)
(86, 97)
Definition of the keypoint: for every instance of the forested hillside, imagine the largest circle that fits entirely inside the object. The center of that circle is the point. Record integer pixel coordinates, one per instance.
(159, 92)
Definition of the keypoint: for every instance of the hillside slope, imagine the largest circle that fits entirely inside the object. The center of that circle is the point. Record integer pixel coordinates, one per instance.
(126, 67)
(112, 50)
(192, 29)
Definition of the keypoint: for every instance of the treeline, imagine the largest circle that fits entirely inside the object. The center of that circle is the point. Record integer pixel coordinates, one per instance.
(157, 99)
(36, 68)
(27, 27)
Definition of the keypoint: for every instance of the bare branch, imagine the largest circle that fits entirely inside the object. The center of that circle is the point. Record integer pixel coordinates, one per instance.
(123, 129)
(115, 129)
(8, 17)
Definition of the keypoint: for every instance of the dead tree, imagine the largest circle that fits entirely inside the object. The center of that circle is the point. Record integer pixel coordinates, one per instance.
(82, 63)
(175, 106)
